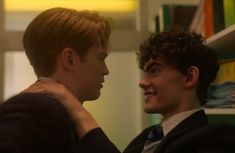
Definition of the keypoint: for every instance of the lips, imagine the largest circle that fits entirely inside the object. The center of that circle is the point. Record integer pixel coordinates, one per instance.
(101, 83)
(150, 93)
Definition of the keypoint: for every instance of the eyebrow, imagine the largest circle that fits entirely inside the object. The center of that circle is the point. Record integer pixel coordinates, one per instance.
(148, 66)
(103, 54)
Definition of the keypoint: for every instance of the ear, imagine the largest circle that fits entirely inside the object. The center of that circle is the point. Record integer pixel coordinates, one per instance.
(69, 58)
(192, 76)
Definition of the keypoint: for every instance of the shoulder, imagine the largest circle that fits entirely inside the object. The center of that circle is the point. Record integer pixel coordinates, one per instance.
(32, 119)
(32, 104)
(217, 135)
(220, 130)
(209, 138)
(211, 131)
(222, 127)
(27, 98)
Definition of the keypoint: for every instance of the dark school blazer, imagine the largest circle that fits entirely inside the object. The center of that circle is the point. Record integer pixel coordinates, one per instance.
(193, 135)
(36, 123)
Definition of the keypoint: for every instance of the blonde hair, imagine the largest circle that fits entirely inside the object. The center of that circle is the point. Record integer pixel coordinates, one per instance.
(57, 28)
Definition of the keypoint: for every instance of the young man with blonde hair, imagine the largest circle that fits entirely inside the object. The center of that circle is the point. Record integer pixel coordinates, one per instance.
(69, 47)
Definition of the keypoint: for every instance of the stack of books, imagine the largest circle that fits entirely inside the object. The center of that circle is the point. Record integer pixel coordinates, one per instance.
(221, 95)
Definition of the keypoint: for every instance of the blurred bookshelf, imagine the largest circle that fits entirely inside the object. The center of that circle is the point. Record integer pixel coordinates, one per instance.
(222, 41)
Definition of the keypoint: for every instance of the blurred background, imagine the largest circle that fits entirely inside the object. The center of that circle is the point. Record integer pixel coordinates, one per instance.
(119, 109)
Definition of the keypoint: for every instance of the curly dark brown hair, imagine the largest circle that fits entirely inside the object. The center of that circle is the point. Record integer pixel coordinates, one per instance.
(182, 50)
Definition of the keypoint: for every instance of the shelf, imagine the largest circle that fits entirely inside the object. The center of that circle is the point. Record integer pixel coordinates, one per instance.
(224, 43)
(220, 111)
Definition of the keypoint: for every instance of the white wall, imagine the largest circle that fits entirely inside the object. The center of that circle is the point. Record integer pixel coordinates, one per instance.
(18, 74)
(119, 109)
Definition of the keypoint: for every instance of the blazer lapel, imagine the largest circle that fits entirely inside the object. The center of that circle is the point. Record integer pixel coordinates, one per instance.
(196, 120)
(137, 144)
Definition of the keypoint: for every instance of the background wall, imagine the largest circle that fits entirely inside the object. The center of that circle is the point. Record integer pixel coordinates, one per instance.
(119, 110)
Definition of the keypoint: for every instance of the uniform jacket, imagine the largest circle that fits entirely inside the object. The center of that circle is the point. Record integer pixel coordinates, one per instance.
(193, 135)
(36, 123)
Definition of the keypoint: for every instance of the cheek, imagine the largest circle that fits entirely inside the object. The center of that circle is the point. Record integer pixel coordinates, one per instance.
(171, 85)
(90, 80)
(170, 93)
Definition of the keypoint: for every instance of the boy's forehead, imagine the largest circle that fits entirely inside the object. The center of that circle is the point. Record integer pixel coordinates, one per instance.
(150, 62)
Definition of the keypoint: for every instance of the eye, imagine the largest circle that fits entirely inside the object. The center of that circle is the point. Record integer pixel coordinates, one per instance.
(153, 70)
(102, 58)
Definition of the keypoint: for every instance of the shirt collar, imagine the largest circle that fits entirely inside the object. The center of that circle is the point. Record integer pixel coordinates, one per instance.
(174, 120)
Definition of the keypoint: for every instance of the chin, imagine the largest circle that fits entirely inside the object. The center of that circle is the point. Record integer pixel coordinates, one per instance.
(150, 109)
(95, 96)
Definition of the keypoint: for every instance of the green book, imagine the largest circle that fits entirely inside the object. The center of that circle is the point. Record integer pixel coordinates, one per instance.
(229, 12)
(176, 16)
(218, 15)
(164, 17)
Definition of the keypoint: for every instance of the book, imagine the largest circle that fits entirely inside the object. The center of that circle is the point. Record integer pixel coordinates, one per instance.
(218, 15)
(164, 17)
(208, 18)
(198, 21)
(229, 12)
(221, 95)
(226, 71)
(174, 16)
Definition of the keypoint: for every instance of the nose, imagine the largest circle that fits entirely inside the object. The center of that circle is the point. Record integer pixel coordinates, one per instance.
(144, 83)
(106, 70)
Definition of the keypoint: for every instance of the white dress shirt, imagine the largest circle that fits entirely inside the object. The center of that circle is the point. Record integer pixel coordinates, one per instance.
(171, 122)
(167, 125)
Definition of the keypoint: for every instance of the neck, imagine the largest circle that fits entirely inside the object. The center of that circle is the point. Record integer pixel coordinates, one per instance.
(186, 104)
